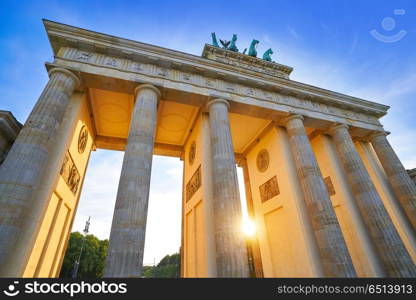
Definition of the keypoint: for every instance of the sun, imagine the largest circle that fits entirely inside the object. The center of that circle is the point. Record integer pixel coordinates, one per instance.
(248, 227)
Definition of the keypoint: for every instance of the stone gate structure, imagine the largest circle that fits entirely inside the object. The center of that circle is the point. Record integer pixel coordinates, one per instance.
(328, 195)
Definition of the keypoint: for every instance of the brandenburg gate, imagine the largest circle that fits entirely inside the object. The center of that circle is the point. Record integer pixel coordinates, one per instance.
(326, 191)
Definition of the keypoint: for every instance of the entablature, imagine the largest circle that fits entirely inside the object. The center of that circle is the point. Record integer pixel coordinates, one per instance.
(90, 52)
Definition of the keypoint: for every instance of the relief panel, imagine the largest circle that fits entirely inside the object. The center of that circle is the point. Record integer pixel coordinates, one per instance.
(269, 189)
(193, 184)
(70, 174)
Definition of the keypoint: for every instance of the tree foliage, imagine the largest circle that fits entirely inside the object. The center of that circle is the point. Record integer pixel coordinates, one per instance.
(92, 259)
(168, 267)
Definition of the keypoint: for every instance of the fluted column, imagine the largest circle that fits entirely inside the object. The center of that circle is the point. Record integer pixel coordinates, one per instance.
(20, 173)
(127, 237)
(395, 258)
(332, 248)
(403, 186)
(231, 252)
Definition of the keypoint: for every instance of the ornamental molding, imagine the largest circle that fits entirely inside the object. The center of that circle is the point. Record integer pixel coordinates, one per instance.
(83, 61)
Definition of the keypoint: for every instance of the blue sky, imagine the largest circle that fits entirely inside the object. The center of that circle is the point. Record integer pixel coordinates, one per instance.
(327, 42)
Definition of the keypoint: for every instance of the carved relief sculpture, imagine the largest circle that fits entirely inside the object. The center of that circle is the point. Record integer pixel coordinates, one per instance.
(263, 160)
(329, 186)
(70, 174)
(192, 153)
(82, 139)
(193, 184)
(269, 189)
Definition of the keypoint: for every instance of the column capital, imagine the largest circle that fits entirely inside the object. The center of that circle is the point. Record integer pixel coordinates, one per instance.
(375, 134)
(66, 72)
(285, 120)
(218, 100)
(147, 86)
(337, 126)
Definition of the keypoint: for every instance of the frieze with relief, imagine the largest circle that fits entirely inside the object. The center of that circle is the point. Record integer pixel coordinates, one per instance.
(112, 62)
(135, 67)
(85, 56)
(219, 85)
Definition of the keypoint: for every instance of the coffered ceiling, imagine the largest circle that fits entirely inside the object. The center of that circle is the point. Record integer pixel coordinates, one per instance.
(112, 112)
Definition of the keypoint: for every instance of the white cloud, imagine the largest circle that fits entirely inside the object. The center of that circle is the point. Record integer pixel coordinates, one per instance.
(163, 230)
(293, 32)
(267, 39)
(403, 85)
(177, 172)
(99, 192)
(98, 198)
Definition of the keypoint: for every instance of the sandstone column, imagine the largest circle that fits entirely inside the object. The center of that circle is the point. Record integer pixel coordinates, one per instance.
(332, 248)
(403, 186)
(25, 164)
(396, 260)
(231, 252)
(128, 229)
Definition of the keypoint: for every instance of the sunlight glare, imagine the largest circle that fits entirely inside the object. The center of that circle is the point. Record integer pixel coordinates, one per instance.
(249, 228)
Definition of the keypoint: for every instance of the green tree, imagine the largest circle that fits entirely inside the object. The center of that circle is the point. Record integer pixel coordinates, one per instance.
(92, 259)
(168, 267)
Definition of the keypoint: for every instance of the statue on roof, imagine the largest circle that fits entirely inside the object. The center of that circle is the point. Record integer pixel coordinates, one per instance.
(252, 50)
(225, 44)
(214, 40)
(232, 46)
(267, 54)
